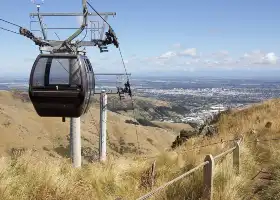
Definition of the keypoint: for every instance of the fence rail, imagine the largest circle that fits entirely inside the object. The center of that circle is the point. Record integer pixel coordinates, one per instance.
(146, 196)
(224, 153)
(208, 172)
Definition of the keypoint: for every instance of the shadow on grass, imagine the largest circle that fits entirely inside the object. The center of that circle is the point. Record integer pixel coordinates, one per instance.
(63, 151)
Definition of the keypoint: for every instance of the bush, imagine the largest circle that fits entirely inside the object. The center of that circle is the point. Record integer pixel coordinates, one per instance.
(145, 122)
(23, 96)
(183, 137)
(187, 134)
(129, 121)
(268, 125)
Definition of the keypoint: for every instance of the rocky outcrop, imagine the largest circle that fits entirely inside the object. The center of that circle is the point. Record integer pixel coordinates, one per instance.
(209, 130)
(183, 137)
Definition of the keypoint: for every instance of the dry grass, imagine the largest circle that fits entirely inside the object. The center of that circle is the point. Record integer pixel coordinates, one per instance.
(33, 176)
(38, 176)
(21, 127)
(271, 191)
(176, 127)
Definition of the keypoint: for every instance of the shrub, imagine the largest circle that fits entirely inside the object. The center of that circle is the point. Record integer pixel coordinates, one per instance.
(145, 122)
(129, 121)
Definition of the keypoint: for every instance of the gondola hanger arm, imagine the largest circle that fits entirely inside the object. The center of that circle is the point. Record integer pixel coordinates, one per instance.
(25, 32)
(83, 25)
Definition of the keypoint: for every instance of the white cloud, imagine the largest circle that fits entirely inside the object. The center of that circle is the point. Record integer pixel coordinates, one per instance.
(189, 52)
(271, 58)
(190, 59)
(246, 55)
(258, 57)
(167, 55)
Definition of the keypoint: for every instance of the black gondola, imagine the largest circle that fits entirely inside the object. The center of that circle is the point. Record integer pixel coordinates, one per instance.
(61, 85)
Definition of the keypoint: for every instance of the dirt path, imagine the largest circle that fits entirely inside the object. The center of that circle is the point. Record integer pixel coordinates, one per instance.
(260, 180)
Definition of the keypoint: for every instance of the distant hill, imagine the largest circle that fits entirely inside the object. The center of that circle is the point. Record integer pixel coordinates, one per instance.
(147, 108)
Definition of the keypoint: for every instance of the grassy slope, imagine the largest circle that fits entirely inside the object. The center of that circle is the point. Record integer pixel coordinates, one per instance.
(148, 108)
(34, 176)
(176, 127)
(22, 127)
(253, 123)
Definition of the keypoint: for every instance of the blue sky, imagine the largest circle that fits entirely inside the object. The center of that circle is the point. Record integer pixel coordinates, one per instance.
(161, 37)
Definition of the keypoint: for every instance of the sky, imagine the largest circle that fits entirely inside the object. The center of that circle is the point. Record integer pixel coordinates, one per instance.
(179, 37)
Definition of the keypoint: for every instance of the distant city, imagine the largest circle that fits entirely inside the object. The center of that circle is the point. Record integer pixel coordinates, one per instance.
(200, 97)
(203, 96)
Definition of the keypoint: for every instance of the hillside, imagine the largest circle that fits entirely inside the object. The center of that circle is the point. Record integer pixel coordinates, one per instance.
(37, 176)
(21, 127)
(148, 108)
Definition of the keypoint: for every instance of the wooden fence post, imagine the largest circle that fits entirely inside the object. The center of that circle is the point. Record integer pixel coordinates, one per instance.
(153, 174)
(148, 177)
(236, 158)
(223, 144)
(208, 175)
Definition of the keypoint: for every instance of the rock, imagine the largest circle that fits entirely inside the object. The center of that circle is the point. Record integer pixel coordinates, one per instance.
(204, 131)
(208, 130)
(187, 133)
(178, 142)
(183, 137)
(212, 130)
(194, 125)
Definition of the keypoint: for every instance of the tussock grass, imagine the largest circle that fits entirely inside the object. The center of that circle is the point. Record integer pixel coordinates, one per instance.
(33, 176)
(272, 190)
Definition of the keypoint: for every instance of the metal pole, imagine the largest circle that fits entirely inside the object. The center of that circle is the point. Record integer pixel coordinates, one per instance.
(75, 125)
(75, 139)
(41, 23)
(103, 126)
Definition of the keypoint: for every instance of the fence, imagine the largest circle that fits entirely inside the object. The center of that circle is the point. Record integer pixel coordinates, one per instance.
(208, 172)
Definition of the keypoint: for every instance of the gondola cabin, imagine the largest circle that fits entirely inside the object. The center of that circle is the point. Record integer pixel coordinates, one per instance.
(61, 85)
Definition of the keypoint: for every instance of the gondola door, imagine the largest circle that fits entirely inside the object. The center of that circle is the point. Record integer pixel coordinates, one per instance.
(89, 78)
